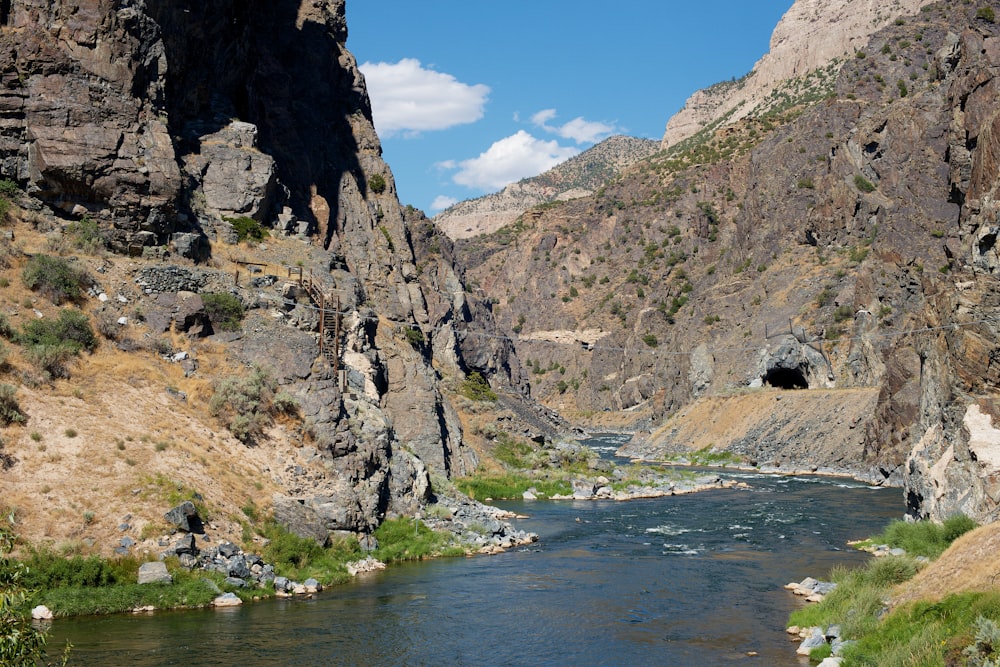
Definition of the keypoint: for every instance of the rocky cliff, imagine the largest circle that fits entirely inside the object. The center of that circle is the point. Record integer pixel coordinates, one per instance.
(171, 126)
(839, 241)
(579, 176)
(812, 38)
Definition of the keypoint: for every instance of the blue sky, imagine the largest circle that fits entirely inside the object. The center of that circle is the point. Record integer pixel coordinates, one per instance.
(469, 95)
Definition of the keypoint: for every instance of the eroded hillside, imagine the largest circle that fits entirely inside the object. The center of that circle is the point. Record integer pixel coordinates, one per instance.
(839, 242)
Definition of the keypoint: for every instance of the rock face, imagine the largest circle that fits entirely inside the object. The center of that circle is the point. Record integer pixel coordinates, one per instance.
(809, 37)
(161, 120)
(579, 176)
(849, 243)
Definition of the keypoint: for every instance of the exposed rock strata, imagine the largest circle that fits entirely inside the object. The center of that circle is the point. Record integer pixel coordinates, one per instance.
(850, 244)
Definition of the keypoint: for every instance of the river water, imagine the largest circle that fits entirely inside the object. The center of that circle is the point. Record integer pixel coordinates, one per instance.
(685, 580)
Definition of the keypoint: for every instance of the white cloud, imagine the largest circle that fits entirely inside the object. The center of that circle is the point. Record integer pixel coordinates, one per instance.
(543, 117)
(508, 160)
(579, 130)
(407, 97)
(441, 202)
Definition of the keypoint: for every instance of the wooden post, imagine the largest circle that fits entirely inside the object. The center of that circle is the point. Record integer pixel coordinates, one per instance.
(336, 335)
(322, 322)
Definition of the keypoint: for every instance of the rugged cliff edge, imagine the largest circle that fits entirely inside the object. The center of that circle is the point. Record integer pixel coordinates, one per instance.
(842, 237)
(170, 126)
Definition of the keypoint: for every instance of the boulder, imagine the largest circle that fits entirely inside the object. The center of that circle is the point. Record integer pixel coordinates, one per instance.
(41, 613)
(154, 573)
(185, 517)
(227, 600)
(186, 545)
(812, 642)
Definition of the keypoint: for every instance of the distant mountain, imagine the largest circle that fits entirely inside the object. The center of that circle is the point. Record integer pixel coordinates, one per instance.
(808, 46)
(577, 177)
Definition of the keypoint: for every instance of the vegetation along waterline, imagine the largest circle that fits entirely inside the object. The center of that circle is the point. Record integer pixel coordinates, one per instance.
(221, 328)
(910, 605)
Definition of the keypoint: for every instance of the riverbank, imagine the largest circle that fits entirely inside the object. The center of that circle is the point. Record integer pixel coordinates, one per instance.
(919, 596)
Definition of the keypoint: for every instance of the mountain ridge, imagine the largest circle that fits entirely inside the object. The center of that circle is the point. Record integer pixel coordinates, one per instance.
(578, 176)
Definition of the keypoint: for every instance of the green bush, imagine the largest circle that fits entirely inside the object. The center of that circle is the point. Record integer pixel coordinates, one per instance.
(224, 309)
(376, 183)
(22, 644)
(247, 229)
(510, 486)
(475, 388)
(85, 235)
(50, 344)
(925, 538)
(863, 184)
(55, 278)
(70, 330)
(10, 410)
(302, 557)
(414, 337)
(247, 404)
(987, 14)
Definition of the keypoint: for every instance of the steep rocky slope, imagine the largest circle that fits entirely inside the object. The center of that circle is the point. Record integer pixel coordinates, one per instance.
(168, 127)
(847, 242)
(579, 176)
(812, 37)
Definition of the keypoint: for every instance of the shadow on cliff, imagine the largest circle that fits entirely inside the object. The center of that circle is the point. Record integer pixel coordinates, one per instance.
(248, 60)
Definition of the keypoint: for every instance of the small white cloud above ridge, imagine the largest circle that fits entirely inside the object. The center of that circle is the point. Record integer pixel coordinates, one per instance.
(407, 97)
(441, 202)
(509, 160)
(580, 130)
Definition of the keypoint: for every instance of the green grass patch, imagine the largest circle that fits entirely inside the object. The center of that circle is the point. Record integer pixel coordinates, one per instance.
(923, 538)
(710, 457)
(515, 453)
(511, 486)
(300, 558)
(405, 539)
(858, 600)
(930, 633)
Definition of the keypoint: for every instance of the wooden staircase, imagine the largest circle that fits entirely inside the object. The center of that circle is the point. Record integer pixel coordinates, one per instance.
(329, 318)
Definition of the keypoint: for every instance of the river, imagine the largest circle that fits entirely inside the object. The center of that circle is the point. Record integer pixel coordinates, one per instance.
(685, 580)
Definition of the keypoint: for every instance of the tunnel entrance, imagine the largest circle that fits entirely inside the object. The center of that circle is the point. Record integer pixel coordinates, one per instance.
(786, 378)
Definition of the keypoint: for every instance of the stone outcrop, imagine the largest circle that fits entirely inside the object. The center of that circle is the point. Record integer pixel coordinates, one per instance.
(579, 176)
(161, 121)
(811, 36)
(848, 244)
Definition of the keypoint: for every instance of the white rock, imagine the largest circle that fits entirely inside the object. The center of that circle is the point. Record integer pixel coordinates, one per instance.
(123, 321)
(227, 600)
(41, 613)
(831, 662)
(102, 297)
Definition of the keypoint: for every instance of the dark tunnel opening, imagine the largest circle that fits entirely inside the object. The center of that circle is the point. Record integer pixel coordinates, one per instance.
(786, 378)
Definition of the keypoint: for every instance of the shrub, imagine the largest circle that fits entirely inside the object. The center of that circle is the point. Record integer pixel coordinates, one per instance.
(225, 310)
(55, 278)
(247, 229)
(475, 388)
(71, 330)
(409, 539)
(863, 184)
(376, 183)
(21, 643)
(414, 337)
(85, 235)
(245, 404)
(650, 340)
(986, 14)
(10, 410)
